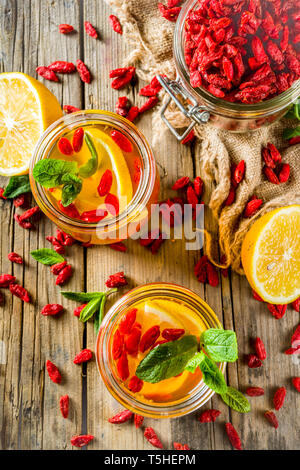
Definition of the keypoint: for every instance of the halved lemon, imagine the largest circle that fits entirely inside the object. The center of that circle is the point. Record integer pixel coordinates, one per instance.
(27, 108)
(271, 255)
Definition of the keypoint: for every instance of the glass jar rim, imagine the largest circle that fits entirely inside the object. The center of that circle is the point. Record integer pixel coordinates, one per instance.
(182, 407)
(219, 105)
(148, 172)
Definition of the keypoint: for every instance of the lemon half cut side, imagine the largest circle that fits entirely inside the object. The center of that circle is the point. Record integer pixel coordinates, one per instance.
(27, 109)
(271, 255)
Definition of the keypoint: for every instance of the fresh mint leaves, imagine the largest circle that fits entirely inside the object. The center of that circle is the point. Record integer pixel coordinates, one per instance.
(51, 173)
(17, 185)
(90, 168)
(89, 311)
(236, 400)
(212, 376)
(72, 187)
(47, 256)
(167, 360)
(294, 112)
(290, 133)
(82, 297)
(220, 345)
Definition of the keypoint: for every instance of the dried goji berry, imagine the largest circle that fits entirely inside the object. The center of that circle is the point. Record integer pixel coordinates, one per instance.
(270, 175)
(127, 321)
(271, 417)
(64, 275)
(209, 416)
(296, 305)
(212, 275)
(25, 225)
(70, 109)
(192, 197)
(181, 183)
(53, 372)
(81, 441)
(255, 392)
(57, 268)
(15, 258)
(135, 384)
(116, 280)
(133, 340)
(240, 172)
(115, 24)
(90, 30)
(19, 201)
(52, 310)
(105, 183)
(122, 141)
(29, 214)
(260, 349)
(2, 190)
(71, 211)
(84, 356)
(20, 292)
(233, 436)
(83, 71)
(47, 74)
(133, 113)
(122, 367)
(294, 140)
(254, 362)
(296, 383)
(178, 446)
(117, 346)
(64, 403)
(112, 204)
(200, 269)
(163, 341)
(152, 438)
(284, 173)
(119, 246)
(6, 280)
(198, 186)
(94, 217)
(231, 197)
(121, 417)
(65, 147)
(149, 104)
(170, 14)
(57, 245)
(267, 158)
(256, 296)
(172, 334)
(78, 310)
(65, 28)
(296, 336)
(279, 398)
(149, 338)
(138, 421)
(189, 138)
(64, 239)
(61, 66)
(291, 351)
(122, 106)
(122, 80)
(275, 154)
(278, 311)
(78, 139)
(252, 207)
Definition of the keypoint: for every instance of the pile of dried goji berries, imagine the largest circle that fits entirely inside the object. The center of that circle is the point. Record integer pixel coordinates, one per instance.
(243, 50)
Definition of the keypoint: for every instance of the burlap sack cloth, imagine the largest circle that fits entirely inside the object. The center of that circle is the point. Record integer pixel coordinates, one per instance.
(152, 38)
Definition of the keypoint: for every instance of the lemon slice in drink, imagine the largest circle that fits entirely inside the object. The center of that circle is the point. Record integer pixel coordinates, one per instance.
(27, 108)
(271, 255)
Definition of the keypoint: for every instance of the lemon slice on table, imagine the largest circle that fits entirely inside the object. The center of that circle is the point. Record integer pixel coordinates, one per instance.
(271, 255)
(27, 108)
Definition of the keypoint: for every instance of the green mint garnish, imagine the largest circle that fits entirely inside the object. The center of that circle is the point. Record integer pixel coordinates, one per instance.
(90, 168)
(236, 400)
(50, 173)
(47, 256)
(99, 317)
(212, 376)
(17, 185)
(220, 345)
(294, 112)
(89, 311)
(194, 362)
(167, 360)
(83, 297)
(290, 133)
(72, 187)
(96, 302)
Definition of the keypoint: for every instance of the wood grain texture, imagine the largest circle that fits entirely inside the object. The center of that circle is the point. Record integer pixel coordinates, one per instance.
(29, 414)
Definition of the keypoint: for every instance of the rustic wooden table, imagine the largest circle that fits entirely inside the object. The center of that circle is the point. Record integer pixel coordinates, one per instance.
(29, 414)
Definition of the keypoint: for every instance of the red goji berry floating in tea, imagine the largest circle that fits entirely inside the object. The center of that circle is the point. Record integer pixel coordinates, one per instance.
(64, 275)
(116, 280)
(105, 183)
(255, 392)
(15, 258)
(117, 346)
(112, 204)
(71, 211)
(278, 311)
(78, 139)
(65, 28)
(133, 340)
(78, 310)
(135, 384)
(152, 438)
(178, 446)
(233, 436)
(172, 334)
(149, 338)
(181, 183)
(149, 104)
(253, 207)
(81, 441)
(83, 71)
(115, 24)
(93, 217)
(260, 349)
(6, 280)
(70, 109)
(271, 417)
(61, 66)
(122, 367)
(51, 310)
(121, 417)
(296, 383)
(20, 292)
(163, 341)
(122, 141)
(138, 421)
(64, 404)
(47, 74)
(254, 362)
(65, 147)
(119, 246)
(209, 416)
(53, 372)
(127, 321)
(84, 356)
(90, 30)
(279, 398)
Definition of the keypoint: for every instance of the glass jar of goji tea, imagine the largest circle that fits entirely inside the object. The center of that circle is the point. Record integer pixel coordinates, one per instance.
(94, 175)
(158, 313)
(237, 63)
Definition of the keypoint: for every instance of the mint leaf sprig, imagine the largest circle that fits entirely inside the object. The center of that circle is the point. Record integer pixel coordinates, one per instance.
(47, 256)
(17, 185)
